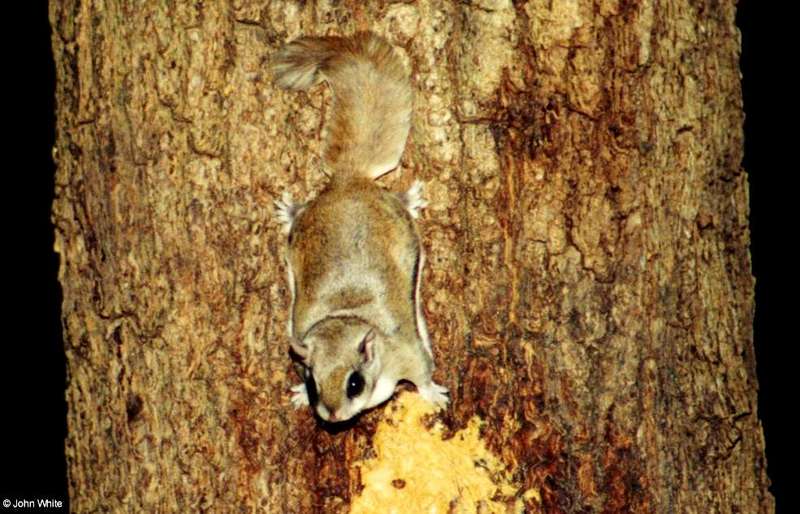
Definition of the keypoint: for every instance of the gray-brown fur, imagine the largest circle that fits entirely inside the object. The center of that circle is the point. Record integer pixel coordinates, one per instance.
(354, 253)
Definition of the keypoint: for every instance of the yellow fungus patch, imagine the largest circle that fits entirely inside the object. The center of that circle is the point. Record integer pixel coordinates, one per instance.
(416, 471)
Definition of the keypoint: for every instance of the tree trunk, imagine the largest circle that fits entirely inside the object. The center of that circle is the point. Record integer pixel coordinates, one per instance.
(588, 286)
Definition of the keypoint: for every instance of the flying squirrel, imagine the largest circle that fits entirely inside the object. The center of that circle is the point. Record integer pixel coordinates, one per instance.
(354, 257)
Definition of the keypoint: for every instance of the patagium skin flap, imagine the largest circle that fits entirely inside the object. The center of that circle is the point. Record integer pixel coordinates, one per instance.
(354, 257)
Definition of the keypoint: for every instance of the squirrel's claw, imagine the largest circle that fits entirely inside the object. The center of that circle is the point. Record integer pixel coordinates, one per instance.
(286, 211)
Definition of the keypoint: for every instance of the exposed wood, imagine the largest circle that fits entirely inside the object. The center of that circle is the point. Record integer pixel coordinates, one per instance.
(588, 284)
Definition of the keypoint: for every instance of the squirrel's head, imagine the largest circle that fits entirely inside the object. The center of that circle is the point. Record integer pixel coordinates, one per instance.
(341, 354)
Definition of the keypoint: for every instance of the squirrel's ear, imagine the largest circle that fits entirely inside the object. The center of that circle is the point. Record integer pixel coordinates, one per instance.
(300, 348)
(367, 345)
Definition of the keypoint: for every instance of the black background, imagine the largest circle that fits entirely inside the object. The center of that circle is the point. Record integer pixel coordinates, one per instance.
(33, 410)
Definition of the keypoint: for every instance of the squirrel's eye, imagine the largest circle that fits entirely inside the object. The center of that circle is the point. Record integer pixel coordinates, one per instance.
(355, 384)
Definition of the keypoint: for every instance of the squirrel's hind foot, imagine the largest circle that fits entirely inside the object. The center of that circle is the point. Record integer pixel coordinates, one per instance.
(286, 210)
(413, 199)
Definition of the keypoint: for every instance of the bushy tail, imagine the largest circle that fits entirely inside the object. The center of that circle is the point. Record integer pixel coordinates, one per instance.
(371, 115)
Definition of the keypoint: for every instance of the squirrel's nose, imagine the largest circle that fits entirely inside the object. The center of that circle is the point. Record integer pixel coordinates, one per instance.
(331, 411)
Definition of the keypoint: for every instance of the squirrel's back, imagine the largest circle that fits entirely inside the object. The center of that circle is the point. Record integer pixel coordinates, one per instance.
(371, 116)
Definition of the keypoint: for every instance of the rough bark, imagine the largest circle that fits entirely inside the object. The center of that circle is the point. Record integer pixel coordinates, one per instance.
(588, 286)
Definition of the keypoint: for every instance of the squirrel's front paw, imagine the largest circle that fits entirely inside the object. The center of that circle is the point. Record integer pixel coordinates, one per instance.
(299, 395)
(436, 394)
